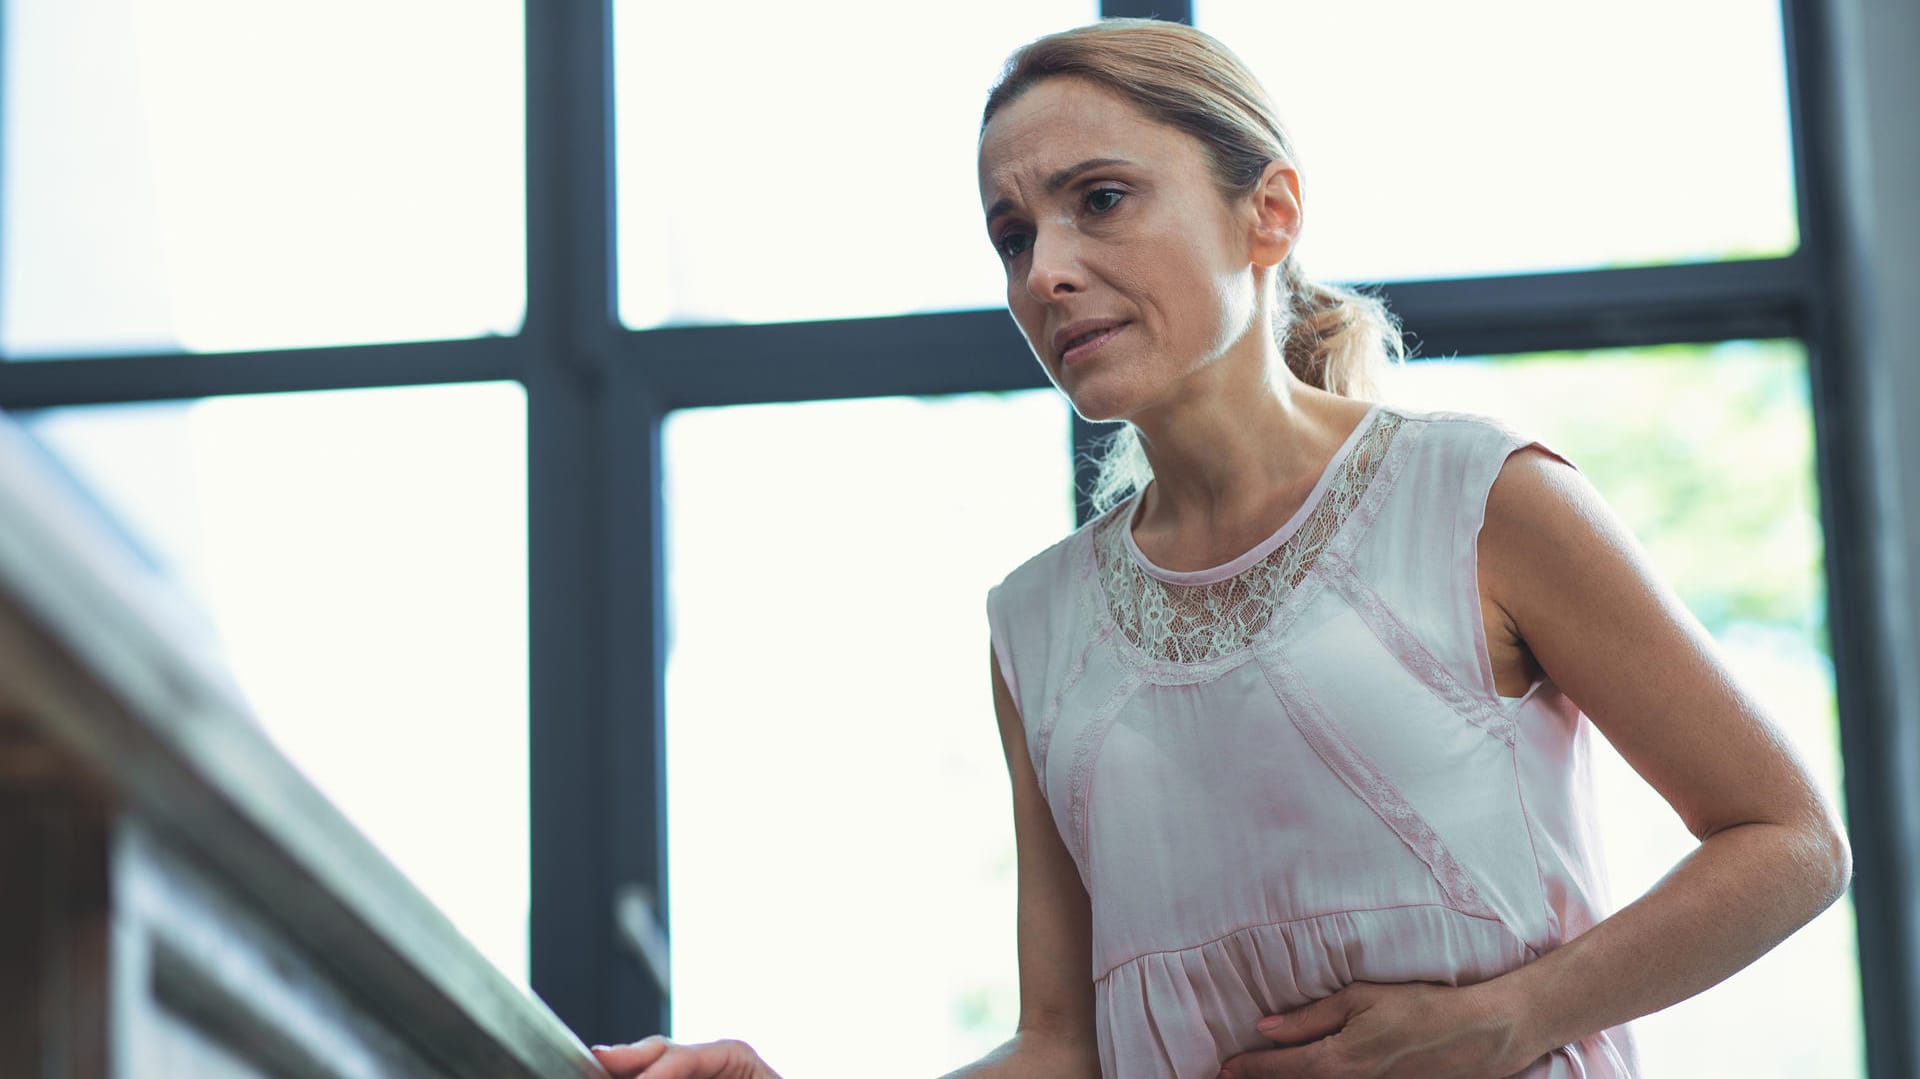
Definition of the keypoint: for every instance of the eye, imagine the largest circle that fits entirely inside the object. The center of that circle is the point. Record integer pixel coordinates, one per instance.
(1099, 202)
(1011, 244)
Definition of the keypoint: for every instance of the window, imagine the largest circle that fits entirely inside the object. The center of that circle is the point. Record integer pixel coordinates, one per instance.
(836, 784)
(362, 556)
(186, 176)
(1506, 136)
(780, 163)
(221, 175)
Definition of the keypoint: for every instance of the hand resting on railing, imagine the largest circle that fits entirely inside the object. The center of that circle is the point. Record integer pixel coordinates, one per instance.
(659, 1058)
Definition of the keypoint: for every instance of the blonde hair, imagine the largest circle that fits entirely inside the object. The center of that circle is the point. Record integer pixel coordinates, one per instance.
(1336, 339)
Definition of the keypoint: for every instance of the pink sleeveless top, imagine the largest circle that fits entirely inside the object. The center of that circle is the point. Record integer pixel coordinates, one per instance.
(1293, 771)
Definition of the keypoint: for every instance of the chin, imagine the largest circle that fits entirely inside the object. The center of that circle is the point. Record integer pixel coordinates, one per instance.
(1096, 407)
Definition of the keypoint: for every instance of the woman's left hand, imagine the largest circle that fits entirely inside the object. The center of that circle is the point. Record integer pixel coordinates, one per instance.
(1414, 1030)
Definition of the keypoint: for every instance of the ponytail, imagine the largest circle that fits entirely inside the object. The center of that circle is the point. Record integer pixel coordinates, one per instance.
(1337, 339)
(1334, 339)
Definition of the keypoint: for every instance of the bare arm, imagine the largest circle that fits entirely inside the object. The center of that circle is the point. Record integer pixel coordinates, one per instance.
(1570, 583)
(1577, 589)
(1055, 1039)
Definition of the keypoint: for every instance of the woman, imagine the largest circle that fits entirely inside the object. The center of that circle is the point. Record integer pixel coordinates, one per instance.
(1299, 777)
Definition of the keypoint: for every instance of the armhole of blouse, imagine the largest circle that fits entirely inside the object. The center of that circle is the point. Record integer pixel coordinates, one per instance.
(1480, 493)
(1002, 650)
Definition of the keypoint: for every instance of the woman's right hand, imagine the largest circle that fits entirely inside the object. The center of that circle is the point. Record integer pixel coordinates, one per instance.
(658, 1058)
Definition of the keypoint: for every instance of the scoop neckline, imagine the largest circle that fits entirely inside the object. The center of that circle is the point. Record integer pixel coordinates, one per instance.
(1266, 546)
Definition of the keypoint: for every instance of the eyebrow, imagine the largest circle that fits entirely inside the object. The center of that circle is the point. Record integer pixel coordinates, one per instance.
(1059, 180)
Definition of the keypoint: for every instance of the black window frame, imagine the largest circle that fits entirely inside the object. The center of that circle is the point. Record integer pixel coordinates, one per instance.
(597, 395)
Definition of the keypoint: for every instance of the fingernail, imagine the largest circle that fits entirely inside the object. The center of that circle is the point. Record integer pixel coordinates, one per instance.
(598, 1048)
(1270, 1023)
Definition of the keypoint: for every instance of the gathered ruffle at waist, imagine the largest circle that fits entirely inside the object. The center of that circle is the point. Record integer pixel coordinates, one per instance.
(1180, 1014)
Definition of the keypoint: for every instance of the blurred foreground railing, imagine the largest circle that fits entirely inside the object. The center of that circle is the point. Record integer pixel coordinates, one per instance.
(176, 899)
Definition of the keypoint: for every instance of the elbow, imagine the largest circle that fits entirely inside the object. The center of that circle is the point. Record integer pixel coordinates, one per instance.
(1828, 856)
(1840, 859)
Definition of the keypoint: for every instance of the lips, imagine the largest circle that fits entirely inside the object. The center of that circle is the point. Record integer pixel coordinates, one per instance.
(1079, 339)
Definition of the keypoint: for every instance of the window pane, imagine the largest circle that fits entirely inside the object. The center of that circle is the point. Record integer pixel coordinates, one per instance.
(1500, 136)
(835, 781)
(222, 175)
(369, 587)
(1707, 454)
(824, 168)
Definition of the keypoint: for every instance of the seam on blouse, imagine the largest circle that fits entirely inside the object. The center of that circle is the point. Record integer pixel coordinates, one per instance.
(1272, 641)
(1556, 932)
(1401, 642)
(1322, 916)
(1043, 735)
(1080, 778)
(1385, 479)
(1481, 476)
(1040, 735)
(1373, 788)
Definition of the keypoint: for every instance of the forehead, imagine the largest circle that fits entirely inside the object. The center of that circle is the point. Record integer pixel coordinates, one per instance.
(1062, 121)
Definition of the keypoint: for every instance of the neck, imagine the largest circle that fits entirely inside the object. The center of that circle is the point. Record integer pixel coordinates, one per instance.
(1235, 442)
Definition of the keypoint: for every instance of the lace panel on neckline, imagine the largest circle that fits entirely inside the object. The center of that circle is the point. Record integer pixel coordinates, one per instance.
(1199, 623)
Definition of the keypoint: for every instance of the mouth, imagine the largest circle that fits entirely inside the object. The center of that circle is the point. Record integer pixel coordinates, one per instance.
(1086, 344)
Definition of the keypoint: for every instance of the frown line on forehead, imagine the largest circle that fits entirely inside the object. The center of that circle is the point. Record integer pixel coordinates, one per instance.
(1059, 180)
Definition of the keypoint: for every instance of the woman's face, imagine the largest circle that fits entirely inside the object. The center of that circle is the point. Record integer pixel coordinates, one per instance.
(1110, 223)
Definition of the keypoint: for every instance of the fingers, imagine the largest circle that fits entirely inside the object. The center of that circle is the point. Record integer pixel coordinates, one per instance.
(628, 1061)
(658, 1058)
(1306, 1028)
(1315, 1021)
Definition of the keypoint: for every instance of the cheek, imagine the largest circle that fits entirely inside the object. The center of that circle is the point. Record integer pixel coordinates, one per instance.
(1020, 304)
(1027, 315)
(1180, 288)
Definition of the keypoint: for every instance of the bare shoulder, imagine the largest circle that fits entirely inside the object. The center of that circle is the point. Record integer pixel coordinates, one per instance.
(1583, 596)
(1548, 529)
(1569, 583)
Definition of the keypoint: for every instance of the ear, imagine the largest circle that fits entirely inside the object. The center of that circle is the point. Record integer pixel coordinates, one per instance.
(1277, 214)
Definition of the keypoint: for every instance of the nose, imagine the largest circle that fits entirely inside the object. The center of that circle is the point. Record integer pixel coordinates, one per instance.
(1055, 268)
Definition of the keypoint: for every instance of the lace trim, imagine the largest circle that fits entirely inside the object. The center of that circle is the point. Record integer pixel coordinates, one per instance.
(1043, 735)
(1080, 778)
(1413, 655)
(1188, 624)
(1374, 788)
